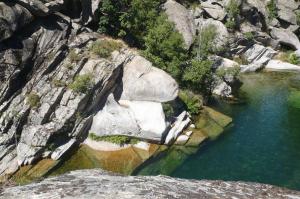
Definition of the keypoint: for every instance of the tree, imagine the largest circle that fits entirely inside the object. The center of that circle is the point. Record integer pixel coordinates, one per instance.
(165, 47)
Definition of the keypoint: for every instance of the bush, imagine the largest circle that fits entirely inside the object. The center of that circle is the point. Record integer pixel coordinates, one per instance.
(249, 36)
(73, 56)
(272, 9)
(205, 42)
(293, 59)
(193, 102)
(232, 71)
(298, 17)
(233, 11)
(198, 76)
(82, 83)
(116, 139)
(168, 110)
(165, 47)
(130, 19)
(33, 100)
(104, 48)
(58, 83)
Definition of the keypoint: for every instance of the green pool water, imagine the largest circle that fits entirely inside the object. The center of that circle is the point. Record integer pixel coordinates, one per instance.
(262, 145)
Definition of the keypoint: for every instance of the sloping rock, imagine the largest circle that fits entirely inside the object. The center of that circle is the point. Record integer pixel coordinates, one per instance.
(222, 35)
(286, 37)
(278, 65)
(181, 122)
(12, 18)
(183, 20)
(100, 184)
(258, 56)
(214, 10)
(143, 82)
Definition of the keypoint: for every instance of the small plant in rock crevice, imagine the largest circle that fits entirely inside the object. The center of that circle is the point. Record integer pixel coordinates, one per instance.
(33, 99)
(82, 83)
(104, 48)
(116, 139)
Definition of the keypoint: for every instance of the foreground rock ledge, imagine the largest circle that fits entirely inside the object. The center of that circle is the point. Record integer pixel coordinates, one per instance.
(101, 184)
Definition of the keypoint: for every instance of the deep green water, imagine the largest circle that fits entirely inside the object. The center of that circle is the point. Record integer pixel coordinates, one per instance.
(263, 144)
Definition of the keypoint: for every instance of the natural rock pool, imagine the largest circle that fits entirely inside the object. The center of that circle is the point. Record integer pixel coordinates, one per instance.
(262, 145)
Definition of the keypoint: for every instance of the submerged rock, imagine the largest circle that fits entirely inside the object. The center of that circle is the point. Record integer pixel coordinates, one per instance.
(100, 184)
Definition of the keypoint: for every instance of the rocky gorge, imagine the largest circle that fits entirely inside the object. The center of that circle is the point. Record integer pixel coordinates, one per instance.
(60, 94)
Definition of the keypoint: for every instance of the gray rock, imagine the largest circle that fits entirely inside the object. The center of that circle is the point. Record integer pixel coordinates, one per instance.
(214, 10)
(183, 20)
(12, 18)
(286, 37)
(143, 82)
(57, 153)
(181, 122)
(277, 65)
(100, 184)
(222, 35)
(257, 56)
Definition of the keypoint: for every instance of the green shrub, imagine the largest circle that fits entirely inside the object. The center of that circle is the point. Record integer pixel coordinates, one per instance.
(193, 102)
(33, 100)
(198, 76)
(293, 59)
(168, 109)
(205, 42)
(58, 83)
(272, 9)
(233, 11)
(165, 47)
(116, 139)
(232, 71)
(298, 17)
(104, 48)
(130, 19)
(73, 56)
(249, 36)
(241, 60)
(82, 83)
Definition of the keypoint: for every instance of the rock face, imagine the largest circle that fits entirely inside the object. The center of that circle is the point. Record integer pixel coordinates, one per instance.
(286, 37)
(183, 20)
(99, 184)
(143, 82)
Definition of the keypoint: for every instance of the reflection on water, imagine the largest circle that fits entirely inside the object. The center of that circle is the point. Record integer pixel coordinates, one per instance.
(263, 145)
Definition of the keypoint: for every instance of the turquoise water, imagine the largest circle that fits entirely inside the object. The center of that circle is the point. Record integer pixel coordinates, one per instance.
(263, 144)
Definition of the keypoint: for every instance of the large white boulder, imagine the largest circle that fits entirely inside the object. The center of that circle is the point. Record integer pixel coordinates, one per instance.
(278, 65)
(143, 82)
(139, 119)
(286, 37)
(183, 20)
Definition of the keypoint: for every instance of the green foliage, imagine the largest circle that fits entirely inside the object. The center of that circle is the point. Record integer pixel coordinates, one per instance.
(129, 19)
(82, 83)
(232, 71)
(33, 100)
(73, 56)
(104, 48)
(198, 76)
(233, 11)
(272, 9)
(116, 139)
(249, 36)
(168, 109)
(293, 59)
(298, 17)
(205, 42)
(165, 47)
(193, 102)
(58, 83)
(289, 56)
(241, 60)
